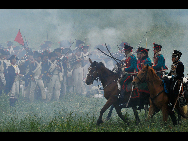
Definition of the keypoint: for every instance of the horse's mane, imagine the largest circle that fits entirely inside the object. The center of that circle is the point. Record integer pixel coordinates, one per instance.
(100, 64)
(153, 72)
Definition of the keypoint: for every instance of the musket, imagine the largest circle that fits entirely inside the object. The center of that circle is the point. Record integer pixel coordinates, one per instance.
(109, 52)
(115, 59)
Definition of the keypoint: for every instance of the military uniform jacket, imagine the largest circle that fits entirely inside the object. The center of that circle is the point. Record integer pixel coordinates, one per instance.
(146, 61)
(12, 73)
(131, 64)
(159, 63)
(53, 67)
(177, 69)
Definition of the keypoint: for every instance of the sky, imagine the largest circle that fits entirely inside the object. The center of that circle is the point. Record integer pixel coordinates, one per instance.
(167, 27)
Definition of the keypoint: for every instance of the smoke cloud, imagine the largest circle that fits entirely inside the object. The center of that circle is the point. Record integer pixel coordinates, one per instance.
(99, 26)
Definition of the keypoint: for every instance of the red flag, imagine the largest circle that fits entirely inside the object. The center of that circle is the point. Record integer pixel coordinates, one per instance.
(19, 38)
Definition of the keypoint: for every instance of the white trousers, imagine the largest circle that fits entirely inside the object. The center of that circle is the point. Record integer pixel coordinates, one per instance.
(78, 81)
(54, 87)
(33, 85)
(15, 90)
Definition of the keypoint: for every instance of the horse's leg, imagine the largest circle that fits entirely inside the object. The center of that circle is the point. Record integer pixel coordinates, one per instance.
(146, 109)
(105, 107)
(151, 111)
(118, 110)
(136, 114)
(110, 113)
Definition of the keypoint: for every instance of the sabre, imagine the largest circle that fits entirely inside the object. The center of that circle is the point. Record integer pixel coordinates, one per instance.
(130, 95)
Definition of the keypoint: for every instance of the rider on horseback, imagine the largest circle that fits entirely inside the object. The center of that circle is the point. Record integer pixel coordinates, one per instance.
(143, 88)
(129, 70)
(159, 60)
(177, 74)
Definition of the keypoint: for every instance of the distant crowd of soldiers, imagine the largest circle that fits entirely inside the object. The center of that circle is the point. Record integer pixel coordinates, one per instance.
(48, 75)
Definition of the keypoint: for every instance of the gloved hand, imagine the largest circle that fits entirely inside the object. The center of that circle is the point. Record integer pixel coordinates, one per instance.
(122, 69)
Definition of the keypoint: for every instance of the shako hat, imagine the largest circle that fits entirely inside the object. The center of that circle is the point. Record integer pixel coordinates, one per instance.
(123, 43)
(127, 47)
(176, 53)
(52, 54)
(144, 50)
(85, 47)
(157, 46)
(78, 42)
(13, 57)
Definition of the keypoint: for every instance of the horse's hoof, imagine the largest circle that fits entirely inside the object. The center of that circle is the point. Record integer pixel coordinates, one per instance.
(99, 121)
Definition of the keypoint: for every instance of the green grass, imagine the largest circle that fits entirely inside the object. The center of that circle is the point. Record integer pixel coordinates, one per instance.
(73, 113)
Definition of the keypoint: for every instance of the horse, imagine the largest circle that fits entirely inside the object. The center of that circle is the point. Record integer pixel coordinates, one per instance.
(158, 98)
(109, 82)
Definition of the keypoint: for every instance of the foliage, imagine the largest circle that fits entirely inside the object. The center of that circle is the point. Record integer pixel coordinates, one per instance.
(73, 113)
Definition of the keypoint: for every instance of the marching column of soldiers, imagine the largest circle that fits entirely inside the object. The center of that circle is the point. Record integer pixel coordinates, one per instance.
(48, 75)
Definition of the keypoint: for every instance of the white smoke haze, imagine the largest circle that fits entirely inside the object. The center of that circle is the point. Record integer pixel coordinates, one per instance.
(167, 27)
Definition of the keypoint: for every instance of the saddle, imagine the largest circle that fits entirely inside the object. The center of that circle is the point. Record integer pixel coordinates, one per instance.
(172, 93)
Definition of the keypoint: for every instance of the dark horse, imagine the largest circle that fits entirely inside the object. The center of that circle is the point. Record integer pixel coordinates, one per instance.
(109, 81)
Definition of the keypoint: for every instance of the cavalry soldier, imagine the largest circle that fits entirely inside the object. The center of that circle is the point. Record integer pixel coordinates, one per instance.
(177, 74)
(144, 57)
(54, 70)
(129, 70)
(139, 57)
(13, 80)
(159, 61)
(143, 88)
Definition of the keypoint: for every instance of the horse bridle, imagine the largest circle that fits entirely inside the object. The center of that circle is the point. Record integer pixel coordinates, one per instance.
(140, 80)
(92, 74)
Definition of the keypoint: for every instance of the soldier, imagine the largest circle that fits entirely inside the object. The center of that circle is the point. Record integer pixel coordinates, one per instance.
(85, 61)
(13, 80)
(28, 68)
(139, 57)
(79, 43)
(37, 77)
(2, 76)
(10, 48)
(67, 75)
(129, 70)
(78, 72)
(45, 68)
(144, 57)
(159, 61)
(54, 84)
(177, 74)
(143, 88)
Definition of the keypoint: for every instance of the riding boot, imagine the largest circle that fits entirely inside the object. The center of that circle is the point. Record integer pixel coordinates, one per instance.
(122, 94)
(141, 106)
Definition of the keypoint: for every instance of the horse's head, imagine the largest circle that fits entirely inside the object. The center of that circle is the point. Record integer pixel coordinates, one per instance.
(92, 72)
(142, 75)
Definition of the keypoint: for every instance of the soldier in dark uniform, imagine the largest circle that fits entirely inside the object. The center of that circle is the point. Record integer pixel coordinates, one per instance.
(45, 67)
(13, 80)
(177, 74)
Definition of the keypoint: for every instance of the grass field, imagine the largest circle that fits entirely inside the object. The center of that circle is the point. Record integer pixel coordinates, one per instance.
(74, 113)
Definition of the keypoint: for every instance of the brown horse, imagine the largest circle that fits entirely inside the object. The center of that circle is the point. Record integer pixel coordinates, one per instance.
(111, 91)
(158, 98)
